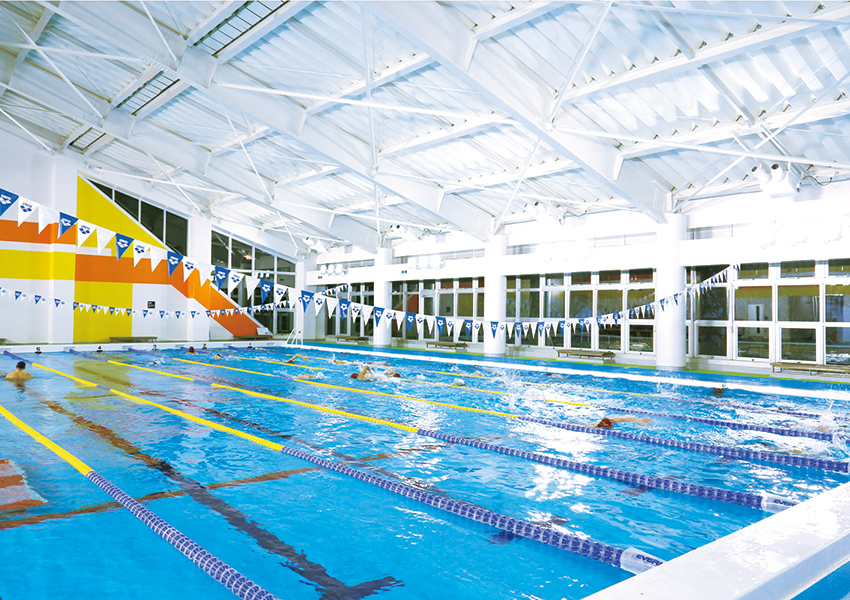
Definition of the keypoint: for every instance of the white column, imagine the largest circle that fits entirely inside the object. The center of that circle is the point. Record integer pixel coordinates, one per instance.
(670, 328)
(305, 322)
(383, 295)
(199, 248)
(494, 294)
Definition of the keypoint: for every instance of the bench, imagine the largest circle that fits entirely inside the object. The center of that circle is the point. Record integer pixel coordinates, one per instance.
(605, 355)
(811, 369)
(452, 345)
(258, 336)
(357, 339)
(133, 339)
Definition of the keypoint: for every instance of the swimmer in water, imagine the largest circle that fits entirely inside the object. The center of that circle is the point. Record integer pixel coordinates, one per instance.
(291, 361)
(608, 423)
(365, 373)
(19, 374)
(191, 350)
(718, 391)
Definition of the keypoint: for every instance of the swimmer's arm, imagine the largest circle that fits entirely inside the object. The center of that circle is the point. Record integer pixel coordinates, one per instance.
(643, 421)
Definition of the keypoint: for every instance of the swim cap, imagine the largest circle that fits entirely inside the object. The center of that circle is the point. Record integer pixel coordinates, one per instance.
(191, 348)
(354, 375)
(605, 423)
(396, 374)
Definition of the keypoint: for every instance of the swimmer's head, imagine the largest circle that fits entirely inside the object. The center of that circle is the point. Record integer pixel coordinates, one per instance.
(605, 423)
(21, 365)
(191, 348)
(396, 375)
(354, 375)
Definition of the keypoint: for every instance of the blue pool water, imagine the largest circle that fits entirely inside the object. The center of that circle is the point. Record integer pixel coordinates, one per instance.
(304, 532)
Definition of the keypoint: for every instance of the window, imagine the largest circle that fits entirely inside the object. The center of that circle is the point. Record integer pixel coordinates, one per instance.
(712, 305)
(799, 344)
(241, 255)
(638, 298)
(837, 345)
(153, 219)
(798, 268)
(799, 303)
(582, 278)
(640, 338)
(754, 304)
(220, 250)
(753, 342)
(640, 276)
(753, 271)
(176, 233)
(837, 304)
(609, 277)
(127, 202)
(711, 341)
(839, 267)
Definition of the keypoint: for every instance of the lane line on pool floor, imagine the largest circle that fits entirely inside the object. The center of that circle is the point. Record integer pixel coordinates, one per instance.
(783, 431)
(223, 573)
(629, 559)
(763, 501)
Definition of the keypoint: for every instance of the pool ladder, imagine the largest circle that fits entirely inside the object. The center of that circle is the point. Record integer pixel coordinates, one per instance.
(293, 338)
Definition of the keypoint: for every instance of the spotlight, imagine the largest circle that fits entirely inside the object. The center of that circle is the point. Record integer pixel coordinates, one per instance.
(779, 183)
(323, 270)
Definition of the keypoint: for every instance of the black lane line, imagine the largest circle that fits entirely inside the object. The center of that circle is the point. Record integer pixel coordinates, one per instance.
(314, 573)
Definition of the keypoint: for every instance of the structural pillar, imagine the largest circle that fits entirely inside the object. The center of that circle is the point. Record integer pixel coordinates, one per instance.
(305, 322)
(494, 294)
(382, 335)
(200, 250)
(670, 325)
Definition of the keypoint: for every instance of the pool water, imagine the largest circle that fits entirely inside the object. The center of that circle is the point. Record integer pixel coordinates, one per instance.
(301, 531)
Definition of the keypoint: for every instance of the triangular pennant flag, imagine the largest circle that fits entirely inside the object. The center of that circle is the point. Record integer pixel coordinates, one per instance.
(476, 327)
(173, 260)
(265, 289)
(548, 328)
(562, 327)
(449, 324)
(209, 313)
(177, 313)
(84, 230)
(509, 331)
(66, 222)
(189, 268)
(494, 327)
(388, 318)
(468, 325)
(343, 308)
(37, 299)
(503, 329)
(420, 320)
(319, 301)
(441, 322)
(145, 313)
(305, 299)
(139, 251)
(104, 236)
(251, 284)
(162, 314)
(122, 243)
(57, 302)
(46, 215)
(111, 310)
(379, 312)
(366, 311)
(541, 327)
(331, 304)
(399, 318)
(95, 308)
(411, 319)
(7, 199)
(279, 292)
(355, 310)
(233, 281)
(518, 329)
(430, 321)
(221, 275)
(157, 256)
(75, 306)
(25, 209)
(194, 313)
(525, 327)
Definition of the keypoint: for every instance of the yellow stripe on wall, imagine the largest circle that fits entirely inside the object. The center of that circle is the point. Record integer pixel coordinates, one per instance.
(89, 327)
(31, 264)
(94, 207)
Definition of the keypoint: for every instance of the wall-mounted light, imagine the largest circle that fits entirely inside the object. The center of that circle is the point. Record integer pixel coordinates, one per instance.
(411, 234)
(778, 182)
(317, 245)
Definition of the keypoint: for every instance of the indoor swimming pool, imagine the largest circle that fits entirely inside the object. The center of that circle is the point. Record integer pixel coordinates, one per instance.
(455, 479)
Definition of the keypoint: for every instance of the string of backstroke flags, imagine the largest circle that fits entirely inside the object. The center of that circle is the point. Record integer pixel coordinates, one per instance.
(288, 297)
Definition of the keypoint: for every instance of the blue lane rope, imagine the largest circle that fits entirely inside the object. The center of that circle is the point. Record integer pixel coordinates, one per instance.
(585, 547)
(226, 575)
(737, 453)
(763, 501)
(757, 501)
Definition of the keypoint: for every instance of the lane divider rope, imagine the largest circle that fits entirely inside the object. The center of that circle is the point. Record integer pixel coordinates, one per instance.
(763, 501)
(629, 559)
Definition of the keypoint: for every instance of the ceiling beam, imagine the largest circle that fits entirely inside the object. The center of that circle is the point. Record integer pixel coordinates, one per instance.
(429, 26)
(515, 17)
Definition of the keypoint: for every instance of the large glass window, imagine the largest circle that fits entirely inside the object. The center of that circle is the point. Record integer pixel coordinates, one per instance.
(176, 233)
(581, 304)
(638, 298)
(554, 304)
(753, 342)
(125, 201)
(241, 255)
(711, 341)
(609, 301)
(837, 303)
(753, 304)
(799, 344)
(581, 278)
(153, 219)
(712, 305)
(640, 276)
(640, 338)
(609, 337)
(220, 250)
(839, 267)
(798, 303)
(838, 345)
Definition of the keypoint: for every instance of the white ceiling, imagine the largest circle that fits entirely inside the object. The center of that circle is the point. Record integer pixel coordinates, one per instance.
(337, 120)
